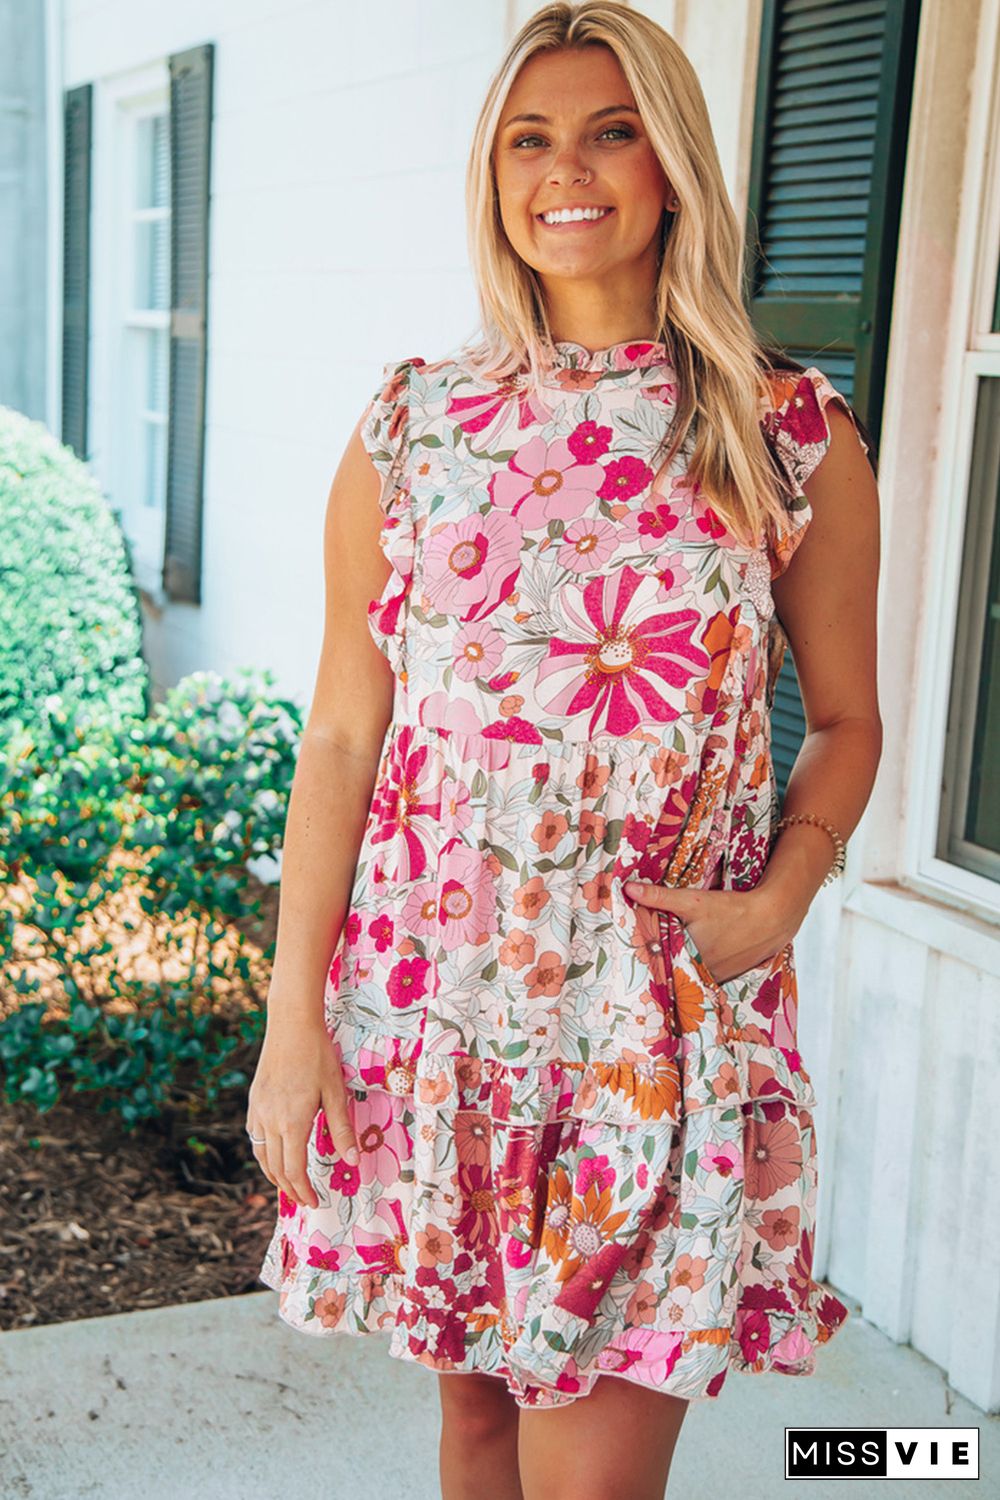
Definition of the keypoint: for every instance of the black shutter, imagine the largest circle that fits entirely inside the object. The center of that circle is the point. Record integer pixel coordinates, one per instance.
(77, 115)
(190, 171)
(834, 85)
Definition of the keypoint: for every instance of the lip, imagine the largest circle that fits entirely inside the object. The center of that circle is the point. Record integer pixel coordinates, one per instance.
(575, 223)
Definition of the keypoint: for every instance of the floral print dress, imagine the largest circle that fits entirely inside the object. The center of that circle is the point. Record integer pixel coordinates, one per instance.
(581, 1154)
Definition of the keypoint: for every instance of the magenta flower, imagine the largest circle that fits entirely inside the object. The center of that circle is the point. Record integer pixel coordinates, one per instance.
(407, 982)
(621, 654)
(471, 566)
(625, 477)
(543, 482)
(588, 442)
(653, 524)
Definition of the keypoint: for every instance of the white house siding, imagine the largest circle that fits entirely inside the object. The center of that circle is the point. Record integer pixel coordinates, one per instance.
(338, 242)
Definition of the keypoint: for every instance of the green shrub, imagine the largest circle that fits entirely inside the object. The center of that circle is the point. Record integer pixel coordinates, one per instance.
(126, 848)
(70, 621)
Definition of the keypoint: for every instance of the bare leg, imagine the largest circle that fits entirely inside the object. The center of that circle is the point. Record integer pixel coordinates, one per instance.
(617, 1441)
(479, 1421)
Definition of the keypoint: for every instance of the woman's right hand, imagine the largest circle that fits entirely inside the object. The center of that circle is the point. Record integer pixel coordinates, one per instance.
(298, 1072)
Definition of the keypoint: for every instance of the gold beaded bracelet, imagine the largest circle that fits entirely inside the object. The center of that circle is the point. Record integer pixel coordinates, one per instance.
(837, 868)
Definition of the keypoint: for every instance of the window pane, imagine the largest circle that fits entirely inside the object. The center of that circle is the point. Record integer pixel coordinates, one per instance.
(970, 831)
(152, 235)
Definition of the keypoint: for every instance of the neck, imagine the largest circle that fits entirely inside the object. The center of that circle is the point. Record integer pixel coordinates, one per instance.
(600, 312)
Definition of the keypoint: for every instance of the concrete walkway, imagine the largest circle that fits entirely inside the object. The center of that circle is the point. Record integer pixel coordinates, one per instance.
(221, 1401)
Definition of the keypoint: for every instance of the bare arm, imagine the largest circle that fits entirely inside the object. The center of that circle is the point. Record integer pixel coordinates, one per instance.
(299, 1070)
(338, 758)
(826, 601)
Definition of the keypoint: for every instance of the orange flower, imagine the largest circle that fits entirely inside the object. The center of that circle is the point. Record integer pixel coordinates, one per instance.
(773, 1156)
(517, 949)
(547, 977)
(549, 830)
(530, 897)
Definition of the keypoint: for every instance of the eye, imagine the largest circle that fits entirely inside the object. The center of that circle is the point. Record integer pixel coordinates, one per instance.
(625, 130)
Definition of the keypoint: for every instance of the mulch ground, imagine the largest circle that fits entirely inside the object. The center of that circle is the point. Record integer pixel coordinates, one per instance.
(97, 1220)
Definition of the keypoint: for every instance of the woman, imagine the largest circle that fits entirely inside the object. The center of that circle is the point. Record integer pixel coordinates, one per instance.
(585, 1132)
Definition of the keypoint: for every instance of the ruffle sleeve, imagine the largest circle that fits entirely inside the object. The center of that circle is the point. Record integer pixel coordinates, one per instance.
(385, 434)
(795, 422)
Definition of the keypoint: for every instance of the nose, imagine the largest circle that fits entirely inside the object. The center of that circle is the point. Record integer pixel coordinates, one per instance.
(568, 167)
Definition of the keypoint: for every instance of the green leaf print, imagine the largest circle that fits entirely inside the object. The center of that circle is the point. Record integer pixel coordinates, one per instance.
(504, 856)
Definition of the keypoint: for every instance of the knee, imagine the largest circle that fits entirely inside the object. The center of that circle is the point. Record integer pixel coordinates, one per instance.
(476, 1409)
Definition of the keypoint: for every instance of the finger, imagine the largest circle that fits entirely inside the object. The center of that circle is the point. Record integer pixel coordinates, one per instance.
(297, 1163)
(338, 1123)
(259, 1149)
(276, 1158)
(659, 897)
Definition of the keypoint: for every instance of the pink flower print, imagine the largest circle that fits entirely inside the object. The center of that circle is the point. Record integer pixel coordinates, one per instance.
(456, 814)
(470, 739)
(621, 654)
(383, 1139)
(792, 1348)
(478, 650)
(589, 442)
(674, 579)
(587, 545)
(727, 1160)
(467, 907)
(650, 1353)
(407, 982)
(419, 915)
(409, 808)
(594, 1170)
(471, 565)
(476, 413)
(381, 932)
(514, 731)
(625, 477)
(543, 482)
(652, 525)
(384, 1253)
(324, 1256)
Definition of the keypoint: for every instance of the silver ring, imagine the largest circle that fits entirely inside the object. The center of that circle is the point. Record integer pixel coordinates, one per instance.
(258, 1140)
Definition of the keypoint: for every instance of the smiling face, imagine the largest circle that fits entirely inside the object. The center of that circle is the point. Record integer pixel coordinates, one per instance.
(570, 137)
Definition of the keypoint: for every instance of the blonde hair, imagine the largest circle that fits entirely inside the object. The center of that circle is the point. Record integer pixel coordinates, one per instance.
(700, 314)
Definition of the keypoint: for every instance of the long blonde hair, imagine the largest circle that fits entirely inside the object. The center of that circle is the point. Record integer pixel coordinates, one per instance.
(701, 318)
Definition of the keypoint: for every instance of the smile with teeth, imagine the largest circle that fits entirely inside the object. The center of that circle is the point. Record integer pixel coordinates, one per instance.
(575, 215)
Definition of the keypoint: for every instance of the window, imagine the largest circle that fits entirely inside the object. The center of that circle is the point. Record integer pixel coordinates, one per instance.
(969, 830)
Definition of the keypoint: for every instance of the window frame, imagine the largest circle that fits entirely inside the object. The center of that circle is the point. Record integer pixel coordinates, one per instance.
(121, 102)
(977, 355)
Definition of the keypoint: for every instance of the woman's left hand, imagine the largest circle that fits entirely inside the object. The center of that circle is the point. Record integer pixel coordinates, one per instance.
(732, 930)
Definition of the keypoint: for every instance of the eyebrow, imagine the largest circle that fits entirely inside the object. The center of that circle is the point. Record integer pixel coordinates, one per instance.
(612, 109)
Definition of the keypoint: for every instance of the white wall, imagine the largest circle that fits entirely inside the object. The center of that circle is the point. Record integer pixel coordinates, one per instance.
(337, 243)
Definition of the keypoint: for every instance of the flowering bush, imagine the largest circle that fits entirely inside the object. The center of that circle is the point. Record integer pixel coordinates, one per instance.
(131, 854)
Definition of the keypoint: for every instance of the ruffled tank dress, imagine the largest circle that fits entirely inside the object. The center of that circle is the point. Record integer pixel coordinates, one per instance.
(581, 1153)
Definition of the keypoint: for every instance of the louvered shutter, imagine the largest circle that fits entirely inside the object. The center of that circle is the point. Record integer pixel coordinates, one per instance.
(835, 80)
(77, 115)
(190, 170)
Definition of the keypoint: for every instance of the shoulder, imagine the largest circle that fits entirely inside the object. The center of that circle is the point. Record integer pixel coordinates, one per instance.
(805, 416)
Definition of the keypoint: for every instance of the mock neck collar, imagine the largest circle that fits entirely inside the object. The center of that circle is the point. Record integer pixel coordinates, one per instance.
(631, 354)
